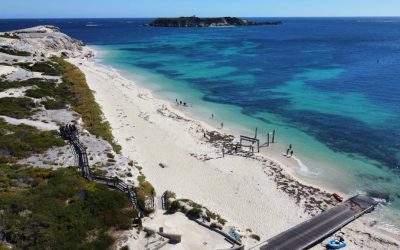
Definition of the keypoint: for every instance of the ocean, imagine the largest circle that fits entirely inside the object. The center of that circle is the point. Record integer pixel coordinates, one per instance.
(328, 86)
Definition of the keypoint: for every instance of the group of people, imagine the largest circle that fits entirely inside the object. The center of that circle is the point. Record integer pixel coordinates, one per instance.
(222, 124)
(181, 103)
(289, 151)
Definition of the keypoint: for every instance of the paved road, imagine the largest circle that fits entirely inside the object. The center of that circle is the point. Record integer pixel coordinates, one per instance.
(319, 227)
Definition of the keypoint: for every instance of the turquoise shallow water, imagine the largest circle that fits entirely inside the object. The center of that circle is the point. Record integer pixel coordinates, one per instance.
(328, 86)
(334, 125)
(349, 173)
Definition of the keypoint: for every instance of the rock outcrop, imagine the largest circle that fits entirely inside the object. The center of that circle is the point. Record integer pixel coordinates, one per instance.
(194, 21)
(46, 40)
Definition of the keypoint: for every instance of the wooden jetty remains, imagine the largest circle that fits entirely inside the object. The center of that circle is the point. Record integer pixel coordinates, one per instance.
(320, 227)
(70, 132)
(252, 141)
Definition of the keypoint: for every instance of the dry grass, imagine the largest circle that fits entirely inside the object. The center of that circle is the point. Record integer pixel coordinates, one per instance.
(85, 103)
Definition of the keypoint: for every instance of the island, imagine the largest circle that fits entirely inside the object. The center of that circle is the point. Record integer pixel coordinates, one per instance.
(194, 21)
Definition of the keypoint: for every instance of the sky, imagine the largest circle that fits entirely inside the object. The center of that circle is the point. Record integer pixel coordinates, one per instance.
(202, 8)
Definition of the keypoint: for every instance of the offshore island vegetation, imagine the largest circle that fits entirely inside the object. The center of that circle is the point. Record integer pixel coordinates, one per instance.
(194, 21)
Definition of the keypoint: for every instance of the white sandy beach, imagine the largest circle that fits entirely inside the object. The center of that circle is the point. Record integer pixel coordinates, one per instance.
(258, 193)
(242, 190)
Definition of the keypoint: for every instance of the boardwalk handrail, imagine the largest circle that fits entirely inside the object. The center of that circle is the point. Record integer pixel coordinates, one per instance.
(70, 133)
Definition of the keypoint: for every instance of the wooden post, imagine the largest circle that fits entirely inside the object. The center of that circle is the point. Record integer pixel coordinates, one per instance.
(273, 136)
(255, 136)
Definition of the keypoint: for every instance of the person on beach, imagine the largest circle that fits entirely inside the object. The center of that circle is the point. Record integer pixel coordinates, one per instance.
(212, 116)
(287, 151)
(222, 125)
(184, 104)
(290, 146)
(180, 102)
(291, 153)
(176, 100)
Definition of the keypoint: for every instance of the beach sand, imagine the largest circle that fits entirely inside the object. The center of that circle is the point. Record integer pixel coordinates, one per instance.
(251, 193)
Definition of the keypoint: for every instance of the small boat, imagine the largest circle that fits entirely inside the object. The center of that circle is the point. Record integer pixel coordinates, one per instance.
(337, 197)
(323, 208)
(336, 244)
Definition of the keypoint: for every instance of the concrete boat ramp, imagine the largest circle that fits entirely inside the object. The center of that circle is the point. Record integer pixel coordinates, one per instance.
(313, 231)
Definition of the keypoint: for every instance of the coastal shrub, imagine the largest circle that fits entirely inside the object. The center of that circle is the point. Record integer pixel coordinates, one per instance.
(13, 52)
(211, 214)
(208, 219)
(65, 209)
(3, 246)
(150, 233)
(17, 107)
(169, 194)
(4, 85)
(221, 221)
(19, 141)
(85, 103)
(195, 212)
(215, 225)
(124, 248)
(10, 35)
(255, 236)
(184, 209)
(145, 196)
(46, 67)
(141, 178)
(175, 206)
(58, 95)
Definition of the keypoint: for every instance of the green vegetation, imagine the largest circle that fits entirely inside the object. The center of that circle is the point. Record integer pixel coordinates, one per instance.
(141, 178)
(215, 225)
(18, 141)
(48, 68)
(13, 52)
(145, 195)
(85, 103)
(169, 194)
(175, 206)
(45, 209)
(4, 85)
(195, 212)
(16, 107)
(73, 90)
(8, 35)
(58, 95)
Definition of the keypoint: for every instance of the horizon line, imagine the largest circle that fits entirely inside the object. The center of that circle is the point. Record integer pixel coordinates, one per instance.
(27, 18)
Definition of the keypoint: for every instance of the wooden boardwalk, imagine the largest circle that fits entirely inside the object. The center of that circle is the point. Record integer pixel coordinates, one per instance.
(70, 133)
(313, 231)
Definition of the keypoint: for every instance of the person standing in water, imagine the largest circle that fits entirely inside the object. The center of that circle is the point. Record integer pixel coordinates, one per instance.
(222, 125)
(212, 116)
(291, 153)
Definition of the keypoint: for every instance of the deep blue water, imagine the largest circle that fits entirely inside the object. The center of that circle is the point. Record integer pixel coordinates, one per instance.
(336, 79)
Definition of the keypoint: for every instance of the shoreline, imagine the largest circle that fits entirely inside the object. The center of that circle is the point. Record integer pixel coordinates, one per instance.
(274, 152)
(145, 114)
